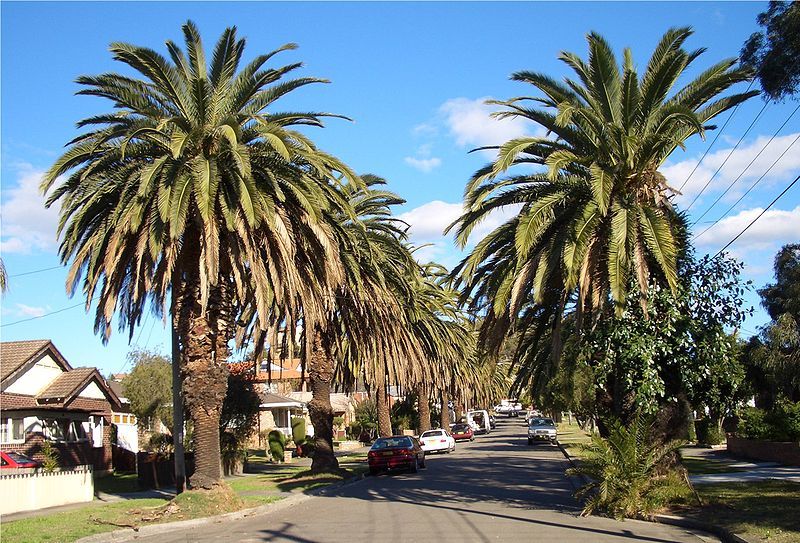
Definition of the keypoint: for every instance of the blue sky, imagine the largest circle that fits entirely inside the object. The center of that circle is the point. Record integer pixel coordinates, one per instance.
(412, 76)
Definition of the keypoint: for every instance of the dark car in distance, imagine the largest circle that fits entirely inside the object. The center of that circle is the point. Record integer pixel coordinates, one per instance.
(462, 432)
(11, 460)
(395, 452)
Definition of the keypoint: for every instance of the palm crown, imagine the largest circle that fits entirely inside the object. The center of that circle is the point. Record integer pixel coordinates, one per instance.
(596, 208)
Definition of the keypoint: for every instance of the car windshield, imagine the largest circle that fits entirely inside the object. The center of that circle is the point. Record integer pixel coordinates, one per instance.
(542, 422)
(19, 458)
(432, 433)
(460, 428)
(389, 442)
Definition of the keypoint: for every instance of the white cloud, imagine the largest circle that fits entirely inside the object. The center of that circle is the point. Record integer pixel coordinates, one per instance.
(423, 164)
(429, 220)
(679, 172)
(471, 123)
(30, 311)
(26, 224)
(776, 227)
(425, 129)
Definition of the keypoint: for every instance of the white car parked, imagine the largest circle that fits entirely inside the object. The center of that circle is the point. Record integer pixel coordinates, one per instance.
(437, 441)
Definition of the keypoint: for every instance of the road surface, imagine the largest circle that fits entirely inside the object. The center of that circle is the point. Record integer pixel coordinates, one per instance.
(496, 489)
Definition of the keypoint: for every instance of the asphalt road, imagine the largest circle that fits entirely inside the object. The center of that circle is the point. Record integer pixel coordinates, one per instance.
(496, 488)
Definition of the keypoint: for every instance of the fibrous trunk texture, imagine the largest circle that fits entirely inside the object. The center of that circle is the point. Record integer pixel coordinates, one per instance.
(204, 372)
(444, 416)
(320, 374)
(382, 404)
(424, 400)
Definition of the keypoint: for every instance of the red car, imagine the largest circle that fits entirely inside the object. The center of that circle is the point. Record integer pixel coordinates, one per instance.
(396, 452)
(16, 460)
(462, 432)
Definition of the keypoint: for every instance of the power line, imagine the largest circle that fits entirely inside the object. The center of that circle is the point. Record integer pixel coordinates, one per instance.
(746, 228)
(42, 316)
(746, 167)
(756, 182)
(33, 271)
(730, 154)
(716, 137)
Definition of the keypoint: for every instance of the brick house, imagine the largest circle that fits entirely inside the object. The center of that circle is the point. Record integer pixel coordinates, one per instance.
(43, 398)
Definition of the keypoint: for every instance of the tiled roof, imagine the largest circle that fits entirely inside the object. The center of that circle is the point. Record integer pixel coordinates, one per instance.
(66, 384)
(14, 354)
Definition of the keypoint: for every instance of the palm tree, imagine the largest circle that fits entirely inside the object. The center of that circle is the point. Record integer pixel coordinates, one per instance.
(193, 195)
(595, 215)
(596, 210)
(365, 330)
(3, 277)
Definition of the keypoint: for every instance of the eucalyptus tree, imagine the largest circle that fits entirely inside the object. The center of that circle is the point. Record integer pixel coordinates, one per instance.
(595, 216)
(193, 195)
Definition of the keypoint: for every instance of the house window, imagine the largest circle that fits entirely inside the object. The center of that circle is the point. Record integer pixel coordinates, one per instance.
(65, 430)
(117, 419)
(12, 430)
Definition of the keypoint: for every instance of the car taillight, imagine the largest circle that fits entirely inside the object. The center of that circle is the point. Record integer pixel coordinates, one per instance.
(442, 441)
(372, 454)
(402, 451)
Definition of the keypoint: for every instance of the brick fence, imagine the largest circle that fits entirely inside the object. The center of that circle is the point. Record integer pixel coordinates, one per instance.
(771, 451)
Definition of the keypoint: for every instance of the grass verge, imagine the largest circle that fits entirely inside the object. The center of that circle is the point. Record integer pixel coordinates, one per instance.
(117, 483)
(762, 510)
(695, 465)
(571, 436)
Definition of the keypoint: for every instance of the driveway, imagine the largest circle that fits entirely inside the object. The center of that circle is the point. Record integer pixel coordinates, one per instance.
(496, 488)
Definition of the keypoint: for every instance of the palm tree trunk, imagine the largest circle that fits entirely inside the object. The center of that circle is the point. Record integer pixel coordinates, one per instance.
(204, 371)
(177, 397)
(424, 401)
(444, 416)
(382, 403)
(320, 373)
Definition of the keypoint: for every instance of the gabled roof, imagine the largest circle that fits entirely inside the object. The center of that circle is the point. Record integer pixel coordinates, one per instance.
(69, 384)
(14, 355)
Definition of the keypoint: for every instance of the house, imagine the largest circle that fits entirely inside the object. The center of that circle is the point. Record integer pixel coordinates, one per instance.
(123, 418)
(276, 412)
(43, 397)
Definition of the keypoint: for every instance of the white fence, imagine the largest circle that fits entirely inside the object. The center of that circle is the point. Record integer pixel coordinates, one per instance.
(26, 490)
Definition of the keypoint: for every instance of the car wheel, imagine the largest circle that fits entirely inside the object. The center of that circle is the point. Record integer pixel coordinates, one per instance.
(423, 466)
(414, 466)
(530, 442)
(373, 471)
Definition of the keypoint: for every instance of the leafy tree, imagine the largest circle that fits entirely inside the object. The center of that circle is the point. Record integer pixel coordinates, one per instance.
(240, 409)
(195, 194)
(774, 51)
(783, 296)
(149, 387)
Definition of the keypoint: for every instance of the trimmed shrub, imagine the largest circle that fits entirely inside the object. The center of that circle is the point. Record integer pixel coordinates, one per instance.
(277, 445)
(752, 424)
(298, 430)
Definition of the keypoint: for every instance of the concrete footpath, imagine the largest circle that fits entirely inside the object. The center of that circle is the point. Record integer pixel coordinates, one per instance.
(740, 470)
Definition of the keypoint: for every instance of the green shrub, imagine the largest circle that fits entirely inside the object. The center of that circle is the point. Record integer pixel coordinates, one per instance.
(692, 431)
(628, 477)
(298, 430)
(277, 445)
(708, 432)
(338, 421)
(784, 421)
(753, 424)
(50, 457)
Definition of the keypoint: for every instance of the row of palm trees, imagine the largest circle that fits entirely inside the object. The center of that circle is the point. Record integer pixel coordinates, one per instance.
(195, 198)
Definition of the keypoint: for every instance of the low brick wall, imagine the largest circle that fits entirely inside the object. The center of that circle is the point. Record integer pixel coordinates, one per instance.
(28, 490)
(770, 451)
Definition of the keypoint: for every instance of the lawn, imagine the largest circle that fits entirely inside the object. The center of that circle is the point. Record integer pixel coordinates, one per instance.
(764, 510)
(571, 436)
(696, 465)
(245, 491)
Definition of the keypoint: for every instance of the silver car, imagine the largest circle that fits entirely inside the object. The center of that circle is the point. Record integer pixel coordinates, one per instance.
(541, 429)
